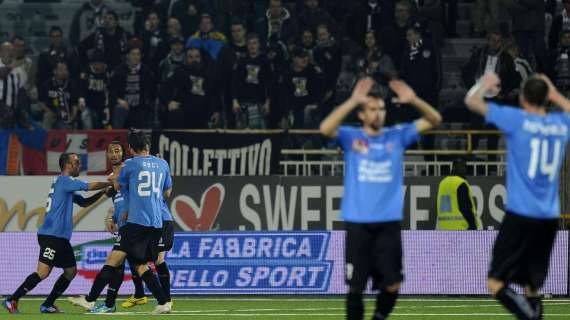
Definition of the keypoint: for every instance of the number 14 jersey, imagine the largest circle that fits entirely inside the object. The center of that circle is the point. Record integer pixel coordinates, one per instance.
(535, 151)
(144, 179)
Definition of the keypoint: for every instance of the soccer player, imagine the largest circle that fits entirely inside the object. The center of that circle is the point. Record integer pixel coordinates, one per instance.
(144, 181)
(115, 154)
(55, 232)
(373, 190)
(165, 245)
(536, 143)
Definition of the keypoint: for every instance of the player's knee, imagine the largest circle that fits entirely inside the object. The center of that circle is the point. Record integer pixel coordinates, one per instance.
(43, 271)
(494, 286)
(115, 259)
(70, 273)
(393, 288)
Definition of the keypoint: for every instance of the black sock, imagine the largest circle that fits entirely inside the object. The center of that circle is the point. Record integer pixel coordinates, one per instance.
(354, 306)
(154, 287)
(516, 304)
(536, 303)
(58, 288)
(31, 282)
(137, 281)
(114, 285)
(385, 302)
(101, 280)
(164, 278)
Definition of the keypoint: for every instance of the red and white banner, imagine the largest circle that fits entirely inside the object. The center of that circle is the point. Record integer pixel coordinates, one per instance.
(90, 145)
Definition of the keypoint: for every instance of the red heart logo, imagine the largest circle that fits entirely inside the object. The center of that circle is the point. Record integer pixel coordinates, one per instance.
(192, 217)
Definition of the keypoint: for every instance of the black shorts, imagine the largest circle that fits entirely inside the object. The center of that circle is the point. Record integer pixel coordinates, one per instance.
(56, 252)
(139, 242)
(167, 239)
(521, 253)
(373, 250)
(117, 244)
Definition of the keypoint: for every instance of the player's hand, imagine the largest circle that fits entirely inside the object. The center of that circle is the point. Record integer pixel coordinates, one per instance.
(361, 90)
(125, 216)
(405, 94)
(552, 91)
(111, 226)
(491, 82)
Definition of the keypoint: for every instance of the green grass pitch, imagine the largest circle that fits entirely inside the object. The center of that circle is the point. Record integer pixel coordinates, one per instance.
(289, 308)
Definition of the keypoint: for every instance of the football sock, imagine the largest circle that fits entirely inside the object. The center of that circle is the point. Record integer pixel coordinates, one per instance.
(58, 288)
(31, 282)
(354, 306)
(114, 285)
(516, 304)
(154, 287)
(101, 280)
(164, 278)
(385, 302)
(536, 303)
(137, 281)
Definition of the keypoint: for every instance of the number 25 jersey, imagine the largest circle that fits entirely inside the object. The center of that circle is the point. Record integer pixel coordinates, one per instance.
(535, 150)
(144, 179)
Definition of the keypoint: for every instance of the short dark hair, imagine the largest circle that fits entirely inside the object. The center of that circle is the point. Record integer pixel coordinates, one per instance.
(138, 140)
(238, 22)
(535, 91)
(55, 29)
(118, 143)
(58, 62)
(64, 159)
(251, 36)
(114, 14)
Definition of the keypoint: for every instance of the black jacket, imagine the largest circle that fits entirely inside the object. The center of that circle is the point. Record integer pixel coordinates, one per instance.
(114, 46)
(252, 79)
(136, 86)
(48, 60)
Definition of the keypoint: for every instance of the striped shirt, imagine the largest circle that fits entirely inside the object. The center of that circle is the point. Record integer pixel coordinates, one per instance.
(11, 85)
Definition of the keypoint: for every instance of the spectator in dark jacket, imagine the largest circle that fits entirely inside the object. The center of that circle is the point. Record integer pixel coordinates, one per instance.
(93, 93)
(394, 35)
(190, 95)
(229, 54)
(111, 40)
(559, 63)
(57, 51)
(277, 24)
(307, 43)
(369, 15)
(328, 57)
(155, 42)
(133, 93)
(175, 59)
(251, 87)
(173, 28)
(312, 15)
(58, 98)
(528, 30)
(561, 22)
(491, 58)
(88, 18)
(301, 89)
(188, 13)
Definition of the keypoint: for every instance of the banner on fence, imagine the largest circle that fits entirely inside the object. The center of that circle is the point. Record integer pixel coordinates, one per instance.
(435, 262)
(307, 203)
(214, 154)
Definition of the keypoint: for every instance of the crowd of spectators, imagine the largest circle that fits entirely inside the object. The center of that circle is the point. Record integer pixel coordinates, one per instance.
(194, 64)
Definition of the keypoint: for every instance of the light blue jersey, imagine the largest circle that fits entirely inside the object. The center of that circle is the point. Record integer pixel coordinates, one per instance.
(373, 181)
(120, 208)
(535, 151)
(144, 179)
(166, 214)
(58, 221)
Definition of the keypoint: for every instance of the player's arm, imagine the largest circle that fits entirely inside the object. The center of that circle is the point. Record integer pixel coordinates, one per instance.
(474, 100)
(86, 202)
(430, 117)
(555, 96)
(330, 124)
(93, 186)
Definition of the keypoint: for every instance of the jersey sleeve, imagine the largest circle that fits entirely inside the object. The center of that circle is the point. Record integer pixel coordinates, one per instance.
(123, 179)
(344, 137)
(408, 133)
(505, 118)
(71, 184)
(168, 179)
